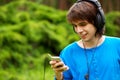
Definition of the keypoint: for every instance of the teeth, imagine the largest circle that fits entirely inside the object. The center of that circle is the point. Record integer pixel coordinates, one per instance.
(84, 33)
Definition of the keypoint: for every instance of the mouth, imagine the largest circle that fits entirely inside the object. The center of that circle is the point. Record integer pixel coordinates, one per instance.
(83, 35)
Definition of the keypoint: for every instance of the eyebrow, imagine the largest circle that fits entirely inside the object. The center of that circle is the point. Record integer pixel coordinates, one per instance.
(80, 23)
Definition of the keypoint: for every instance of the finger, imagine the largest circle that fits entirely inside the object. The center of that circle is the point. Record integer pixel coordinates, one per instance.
(59, 64)
(61, 69)
(56, 64)
(52, 62)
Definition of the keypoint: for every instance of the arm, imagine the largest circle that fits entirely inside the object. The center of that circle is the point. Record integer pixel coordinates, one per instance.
(58, 76)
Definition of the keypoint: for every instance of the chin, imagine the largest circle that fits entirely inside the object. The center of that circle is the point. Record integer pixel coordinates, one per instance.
(85, 40)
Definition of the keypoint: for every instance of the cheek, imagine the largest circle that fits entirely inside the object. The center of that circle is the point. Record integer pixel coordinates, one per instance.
(74, 30)
(91, 30)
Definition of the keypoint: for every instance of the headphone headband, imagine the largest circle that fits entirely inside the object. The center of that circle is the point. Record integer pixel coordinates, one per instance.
(96, 2)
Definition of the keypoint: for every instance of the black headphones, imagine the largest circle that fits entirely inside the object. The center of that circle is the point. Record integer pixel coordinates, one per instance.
(100, 18)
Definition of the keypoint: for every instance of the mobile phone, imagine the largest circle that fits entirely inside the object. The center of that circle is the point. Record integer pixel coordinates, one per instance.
(57, 58)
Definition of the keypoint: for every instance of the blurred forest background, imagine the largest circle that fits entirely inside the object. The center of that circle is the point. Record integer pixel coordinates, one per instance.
(30, 29)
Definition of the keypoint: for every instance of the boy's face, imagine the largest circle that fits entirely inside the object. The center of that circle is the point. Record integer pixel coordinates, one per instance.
(85, 30)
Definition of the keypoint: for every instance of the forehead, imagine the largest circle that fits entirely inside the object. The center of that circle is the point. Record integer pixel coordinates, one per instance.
(79, 21)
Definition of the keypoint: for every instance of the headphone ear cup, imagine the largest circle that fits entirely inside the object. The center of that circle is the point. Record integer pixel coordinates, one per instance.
(98, 21)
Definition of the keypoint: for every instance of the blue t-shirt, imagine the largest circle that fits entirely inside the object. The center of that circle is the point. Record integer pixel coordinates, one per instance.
(104, 65)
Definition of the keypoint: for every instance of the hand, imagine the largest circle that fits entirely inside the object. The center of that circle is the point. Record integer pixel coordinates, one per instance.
(58, 66)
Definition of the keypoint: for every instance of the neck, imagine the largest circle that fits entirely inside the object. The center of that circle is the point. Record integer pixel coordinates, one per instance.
(92, 43)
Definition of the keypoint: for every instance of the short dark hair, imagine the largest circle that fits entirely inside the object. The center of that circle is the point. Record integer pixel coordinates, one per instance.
(84, 11)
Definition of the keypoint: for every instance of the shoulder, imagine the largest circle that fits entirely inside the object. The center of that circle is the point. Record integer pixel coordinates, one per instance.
(110, 38)
(113, 40)
(69, 49)
(70, 46)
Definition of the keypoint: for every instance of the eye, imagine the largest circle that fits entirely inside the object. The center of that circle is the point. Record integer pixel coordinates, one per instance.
(83, 23)
(74, 25)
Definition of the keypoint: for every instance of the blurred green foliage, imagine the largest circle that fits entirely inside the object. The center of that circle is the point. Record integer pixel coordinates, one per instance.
(113, 24)
(28, 31)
